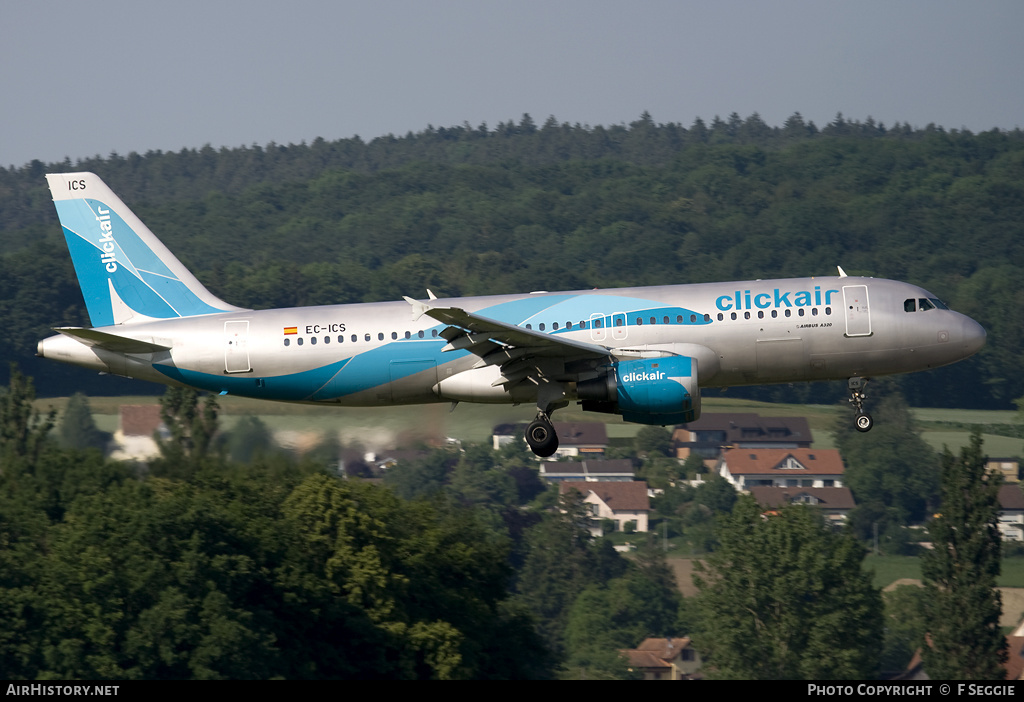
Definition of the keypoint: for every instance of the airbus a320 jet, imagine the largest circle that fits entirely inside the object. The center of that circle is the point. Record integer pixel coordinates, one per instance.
(642, 353)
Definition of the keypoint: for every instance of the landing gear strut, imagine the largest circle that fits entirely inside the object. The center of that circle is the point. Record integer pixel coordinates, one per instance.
(862, 420)
(541, 436)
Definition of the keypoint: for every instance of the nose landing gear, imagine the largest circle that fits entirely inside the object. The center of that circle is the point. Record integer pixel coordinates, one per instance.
(862, 420)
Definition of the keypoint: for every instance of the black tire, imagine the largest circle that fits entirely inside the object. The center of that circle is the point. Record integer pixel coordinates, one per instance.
(863, 422)
(541, 437)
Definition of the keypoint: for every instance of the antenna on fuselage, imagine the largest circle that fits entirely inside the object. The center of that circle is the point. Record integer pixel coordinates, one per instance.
(842, 273)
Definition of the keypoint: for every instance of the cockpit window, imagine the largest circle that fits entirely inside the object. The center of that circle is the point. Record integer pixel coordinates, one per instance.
(925, 304)
(938, 303)
(910, 305)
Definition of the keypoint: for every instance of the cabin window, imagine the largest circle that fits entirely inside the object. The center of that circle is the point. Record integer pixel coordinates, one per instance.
(679, 319)
(341, 339)
(814, 312)
(639, 321)
(654, 320)
(775, 313)
(760, 314)
(568, 325)
(299, 341)
(598, 323)
(327, 339)
(721, 317)
(746, 315)
(789, 313)
(541, 327)
(665, 320)
(380, 336)
(733, 315)
(433, 333)
(408, 335)
(287, 342)
(354, 338)
(367, 337)
(707, 318)
(421, 333)
(828, 310)
(394, 335)
(800, 312)
(618, 322)
(554, 326)
(583, 324)
(312, 341)
(529, 326)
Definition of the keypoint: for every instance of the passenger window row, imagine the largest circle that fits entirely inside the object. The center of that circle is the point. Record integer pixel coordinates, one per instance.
(800, 312)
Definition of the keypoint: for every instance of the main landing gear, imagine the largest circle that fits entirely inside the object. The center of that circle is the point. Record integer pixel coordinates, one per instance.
(541, 436)
(862, 420)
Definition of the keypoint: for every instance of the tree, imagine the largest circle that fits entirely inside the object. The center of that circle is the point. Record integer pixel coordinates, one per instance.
(891, 472)
(784, 597)
(961, 601)
(77, 427)
(191, 430)
(23, 430)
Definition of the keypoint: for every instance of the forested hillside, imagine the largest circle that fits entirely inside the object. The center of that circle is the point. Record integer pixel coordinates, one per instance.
(474, 210)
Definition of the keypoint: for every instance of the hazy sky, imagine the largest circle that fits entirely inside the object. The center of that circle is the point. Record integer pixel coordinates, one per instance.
(84, 78)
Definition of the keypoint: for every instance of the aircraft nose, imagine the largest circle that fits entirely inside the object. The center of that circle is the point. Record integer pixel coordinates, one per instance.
(973, 335)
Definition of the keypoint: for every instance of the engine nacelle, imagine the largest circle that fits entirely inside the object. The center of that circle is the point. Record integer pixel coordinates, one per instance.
(646, 391)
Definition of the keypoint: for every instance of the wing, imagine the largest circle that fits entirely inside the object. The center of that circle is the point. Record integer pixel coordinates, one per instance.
(524, 355)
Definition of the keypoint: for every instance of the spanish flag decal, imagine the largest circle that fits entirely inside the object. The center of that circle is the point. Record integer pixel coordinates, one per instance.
(291, 330)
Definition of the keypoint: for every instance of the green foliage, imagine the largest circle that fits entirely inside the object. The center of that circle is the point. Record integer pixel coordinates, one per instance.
(786, 598)
(960, 572)
(891, 472)
(191, 430)
(249, 439)
(652, 440)
(23, 431)
(77, 427)
(905, 627)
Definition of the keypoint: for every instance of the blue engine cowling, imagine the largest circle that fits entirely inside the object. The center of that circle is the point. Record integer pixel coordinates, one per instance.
(646, 391)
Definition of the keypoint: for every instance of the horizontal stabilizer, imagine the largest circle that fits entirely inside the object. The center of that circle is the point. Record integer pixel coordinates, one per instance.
(110, 342)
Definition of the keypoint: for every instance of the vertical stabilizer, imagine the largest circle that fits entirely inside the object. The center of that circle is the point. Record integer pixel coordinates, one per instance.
(126, 274)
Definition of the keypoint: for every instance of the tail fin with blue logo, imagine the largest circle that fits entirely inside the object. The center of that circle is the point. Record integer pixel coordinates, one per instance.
(127, 275)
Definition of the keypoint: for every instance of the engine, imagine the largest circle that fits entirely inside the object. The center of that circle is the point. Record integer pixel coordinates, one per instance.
(646, 391)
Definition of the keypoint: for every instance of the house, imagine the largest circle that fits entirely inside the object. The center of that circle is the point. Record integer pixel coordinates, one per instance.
(835, 503)
(586, 439)
(1011, 512)
(619, 469)
(134, 439)
(664, 659)
(708, 435)
(1008, 467)
(746, 468)
(504, 434)
(620, 502)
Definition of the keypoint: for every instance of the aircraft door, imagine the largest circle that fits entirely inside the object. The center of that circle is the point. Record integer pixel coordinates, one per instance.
(858, 313)
(236, 349)
(597, 330)
(619, 327)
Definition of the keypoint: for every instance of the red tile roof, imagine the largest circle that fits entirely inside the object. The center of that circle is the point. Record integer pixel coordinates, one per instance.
(623, 496)
(746, 461)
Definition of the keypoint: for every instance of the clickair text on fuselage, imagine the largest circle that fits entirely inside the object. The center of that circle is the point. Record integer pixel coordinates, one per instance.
(745, 300)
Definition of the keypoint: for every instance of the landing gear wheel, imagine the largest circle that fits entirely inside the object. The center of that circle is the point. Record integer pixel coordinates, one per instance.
(541, 437)
(864, 422)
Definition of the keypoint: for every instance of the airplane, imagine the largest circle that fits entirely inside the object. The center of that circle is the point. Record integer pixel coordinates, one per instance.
(643, 353)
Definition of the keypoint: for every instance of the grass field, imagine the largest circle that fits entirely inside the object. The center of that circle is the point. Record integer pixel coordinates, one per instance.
(889, 569)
